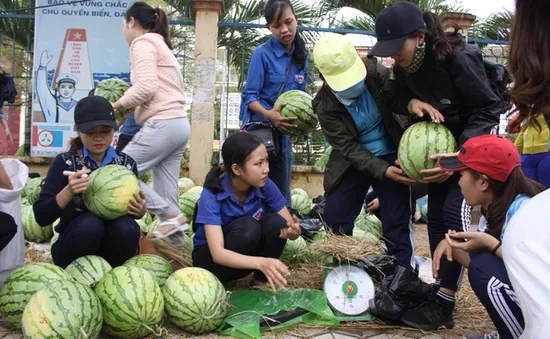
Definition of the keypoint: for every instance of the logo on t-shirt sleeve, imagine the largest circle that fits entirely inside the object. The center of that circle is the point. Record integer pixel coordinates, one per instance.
(258, 214)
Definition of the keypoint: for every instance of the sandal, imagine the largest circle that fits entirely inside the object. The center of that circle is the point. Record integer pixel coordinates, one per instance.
(177, 227)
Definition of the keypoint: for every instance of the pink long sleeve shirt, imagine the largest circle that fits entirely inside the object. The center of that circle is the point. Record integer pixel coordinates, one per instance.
(157, 90)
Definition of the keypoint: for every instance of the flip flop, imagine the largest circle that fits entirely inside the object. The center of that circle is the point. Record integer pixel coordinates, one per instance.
(157, 235)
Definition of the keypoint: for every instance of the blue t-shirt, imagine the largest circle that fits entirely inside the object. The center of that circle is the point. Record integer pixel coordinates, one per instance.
(130, 126)
(514, 207)
(222, 208)
(370, 126)
(266, 73)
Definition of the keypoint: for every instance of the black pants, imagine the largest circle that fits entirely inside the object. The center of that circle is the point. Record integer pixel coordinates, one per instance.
(490, 282)
(344, 204)
(447, 210)
(123, 140)
(246, 236)
(8, 229)
(115, 240)
(417, 192)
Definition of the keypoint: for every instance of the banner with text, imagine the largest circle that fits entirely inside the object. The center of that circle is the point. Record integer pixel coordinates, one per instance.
(76, 45)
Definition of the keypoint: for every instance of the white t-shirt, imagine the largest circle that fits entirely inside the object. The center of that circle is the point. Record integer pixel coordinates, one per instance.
(526, 254)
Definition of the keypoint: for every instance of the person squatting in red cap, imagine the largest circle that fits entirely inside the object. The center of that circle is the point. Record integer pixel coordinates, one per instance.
(491, 177)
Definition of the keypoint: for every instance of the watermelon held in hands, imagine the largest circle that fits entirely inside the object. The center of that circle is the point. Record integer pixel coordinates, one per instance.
(298, 104)
(22, 284)
(195, 300)
(112, 90)
(419, 142)
(132, 303)
(64, 309)
(109, 191)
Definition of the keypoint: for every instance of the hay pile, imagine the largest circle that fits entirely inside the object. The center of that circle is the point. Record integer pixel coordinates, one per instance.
(38, 253)
(347, 249)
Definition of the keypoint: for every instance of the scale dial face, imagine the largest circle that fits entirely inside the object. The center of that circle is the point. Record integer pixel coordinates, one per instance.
(349, 289)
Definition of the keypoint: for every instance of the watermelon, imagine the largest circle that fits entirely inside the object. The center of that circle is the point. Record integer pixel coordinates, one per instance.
(195, 300)
(419, 142)
(299, 191)
(31, 230)
(298, 104)
(366, 236)
(196, 189)
(295, 251)
(184, 184)
(147, 178)
(112, 90)
(109, 191)
(158, 267)
(63, 309)
(32, 189)
(187, 248)
(301, 204)
(144, 223)
(369, 223)
(24, 202)
(187, 202)
(88, 270)
(322, 161)
(22, 284)
(131, 301)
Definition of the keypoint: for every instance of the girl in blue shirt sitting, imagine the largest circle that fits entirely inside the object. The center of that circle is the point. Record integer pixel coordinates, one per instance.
(234, 235)
(490, 177)
(278, 65)
(80, 231)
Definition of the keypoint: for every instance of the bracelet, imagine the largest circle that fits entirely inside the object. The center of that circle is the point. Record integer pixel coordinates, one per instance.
(494, 251)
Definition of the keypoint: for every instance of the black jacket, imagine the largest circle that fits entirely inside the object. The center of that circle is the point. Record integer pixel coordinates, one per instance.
(8, 92)
(460, 91)
(341, 132)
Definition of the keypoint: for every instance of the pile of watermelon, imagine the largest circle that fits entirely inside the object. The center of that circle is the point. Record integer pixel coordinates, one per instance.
(298, 104)
(112, 90)
(89, 297)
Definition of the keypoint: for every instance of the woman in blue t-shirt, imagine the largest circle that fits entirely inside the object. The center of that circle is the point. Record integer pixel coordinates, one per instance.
(276, 66)
(491, 177)
(234, 235)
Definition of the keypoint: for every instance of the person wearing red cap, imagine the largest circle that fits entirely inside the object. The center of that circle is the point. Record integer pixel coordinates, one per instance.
(490, 177)
(438, 77)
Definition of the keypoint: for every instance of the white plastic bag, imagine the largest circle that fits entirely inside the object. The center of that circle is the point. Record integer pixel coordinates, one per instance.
(13, 255)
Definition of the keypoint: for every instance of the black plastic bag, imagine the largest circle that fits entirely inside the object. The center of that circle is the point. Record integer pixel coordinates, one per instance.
(318, 210)
(379, 267)
(397, 293)
(310, 228)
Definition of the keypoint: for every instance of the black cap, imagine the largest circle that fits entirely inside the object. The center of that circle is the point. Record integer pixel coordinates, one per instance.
(394, 24)
(93, 111)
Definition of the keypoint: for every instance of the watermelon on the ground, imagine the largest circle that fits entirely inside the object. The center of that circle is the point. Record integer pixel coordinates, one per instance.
(31, 230)
(195, 300)
(295, 251)
(187, 202)
(301, 203)
(298, 104)
(419, 142)
(88, 270)
(158, 267)
(112, 90)
(109, 191)
(22, 284)
(64, 310)
(131, 301)
(366, 236)
(369, 223)
(144, 223)
(32, 189)
(187, 249)
(184, 184)
(147, 178)
(299, 191)
(196, 189)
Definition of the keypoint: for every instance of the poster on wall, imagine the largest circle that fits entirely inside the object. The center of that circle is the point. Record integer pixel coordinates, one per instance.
(77, 45)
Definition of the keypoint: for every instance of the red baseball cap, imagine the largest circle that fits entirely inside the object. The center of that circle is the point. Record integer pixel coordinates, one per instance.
(490, 155)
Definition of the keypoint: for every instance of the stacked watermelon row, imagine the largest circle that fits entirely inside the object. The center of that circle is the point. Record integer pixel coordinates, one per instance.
(90, 297)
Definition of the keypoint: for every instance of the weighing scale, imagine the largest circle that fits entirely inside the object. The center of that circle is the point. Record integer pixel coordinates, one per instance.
(349, 289)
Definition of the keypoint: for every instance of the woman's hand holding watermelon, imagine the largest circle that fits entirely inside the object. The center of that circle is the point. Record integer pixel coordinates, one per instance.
(137, 207)
(436, 174)
(282, 123)
(274, 270)
(419, 107)
(396, 174)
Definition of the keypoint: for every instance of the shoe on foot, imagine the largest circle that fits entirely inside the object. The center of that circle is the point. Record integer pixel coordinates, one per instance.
(430, 315)
(480, 336)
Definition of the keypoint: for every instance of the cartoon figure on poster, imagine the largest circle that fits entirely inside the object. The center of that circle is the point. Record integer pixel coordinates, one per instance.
(57, 104)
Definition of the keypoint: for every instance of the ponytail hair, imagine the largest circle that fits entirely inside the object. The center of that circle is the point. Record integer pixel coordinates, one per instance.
(235, 150)
(152, 19)
(273, 11)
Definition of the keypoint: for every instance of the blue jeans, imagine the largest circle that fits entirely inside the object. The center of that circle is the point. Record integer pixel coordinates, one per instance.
(537, 167)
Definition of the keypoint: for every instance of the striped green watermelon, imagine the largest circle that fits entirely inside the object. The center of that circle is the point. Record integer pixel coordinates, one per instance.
(295, 251)
(301, 203)
(299, 191)
(32, 189)
(88, 270)
(131, 301)
(195, 189)
(147, 178)
(112, 90)
(195, 300)
(369, 223)
(32, 231)
(366, 236)
(187, 202)
(184, 184)
(187, 248)
(63, 309)
(24, 202)
(158, 267)
(109, 191)
(322, 161)
(150, 227)
(22, 284)
(298, 104)
(419, 142)
(144, 223)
